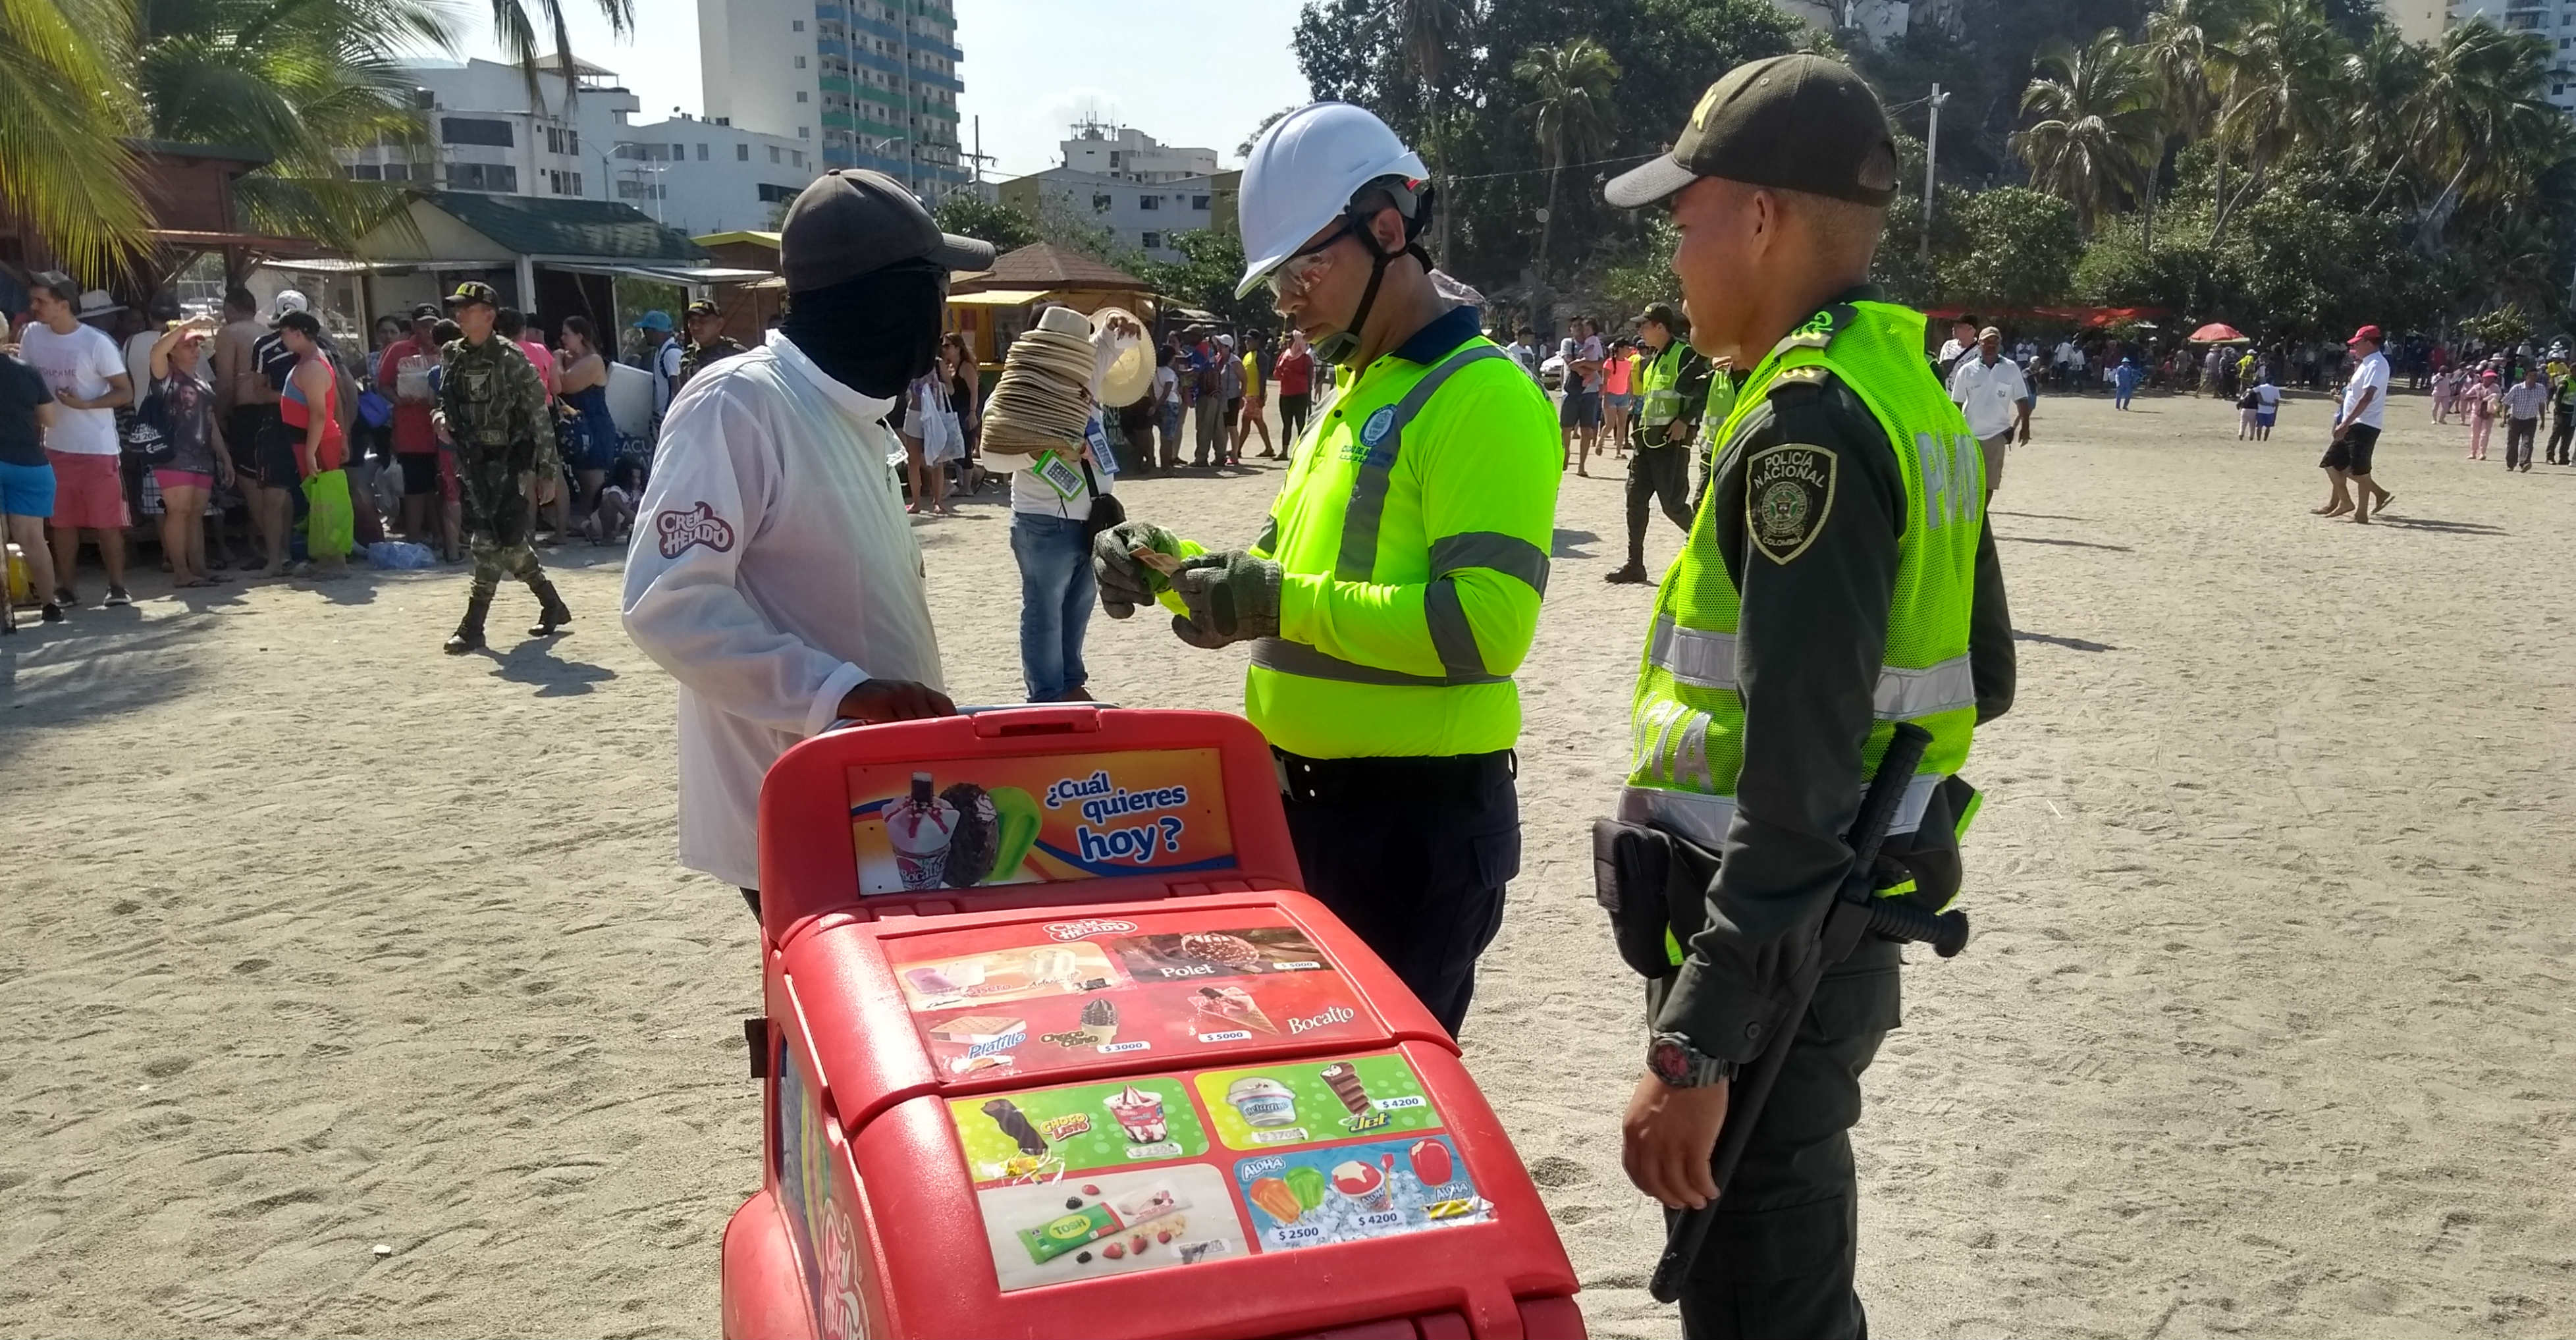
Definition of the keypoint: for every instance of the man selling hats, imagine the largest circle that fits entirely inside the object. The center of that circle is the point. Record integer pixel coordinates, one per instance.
(772, 571)
(492, 405)
(1840, 580)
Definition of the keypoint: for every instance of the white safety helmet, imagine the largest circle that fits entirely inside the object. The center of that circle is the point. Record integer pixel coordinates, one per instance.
(1302, 175)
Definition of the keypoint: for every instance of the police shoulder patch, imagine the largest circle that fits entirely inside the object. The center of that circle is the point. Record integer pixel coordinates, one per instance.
(1788, 493)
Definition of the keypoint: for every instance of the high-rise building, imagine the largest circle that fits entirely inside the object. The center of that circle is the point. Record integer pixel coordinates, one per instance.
(2552, 21)
(866, 83)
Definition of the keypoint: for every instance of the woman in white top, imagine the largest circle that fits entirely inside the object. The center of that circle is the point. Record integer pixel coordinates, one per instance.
(930, 441)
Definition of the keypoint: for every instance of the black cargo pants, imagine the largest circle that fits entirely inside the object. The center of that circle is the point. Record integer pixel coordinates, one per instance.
(1412, 854)
(1780, 1257)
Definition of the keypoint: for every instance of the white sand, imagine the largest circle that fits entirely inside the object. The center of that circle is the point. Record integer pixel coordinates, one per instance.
(2268, 1030)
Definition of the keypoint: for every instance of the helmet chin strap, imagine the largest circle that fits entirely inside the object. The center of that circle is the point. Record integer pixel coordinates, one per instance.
(1338, 347)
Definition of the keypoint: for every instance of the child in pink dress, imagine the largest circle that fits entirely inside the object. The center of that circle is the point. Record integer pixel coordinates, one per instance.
(2482, 399)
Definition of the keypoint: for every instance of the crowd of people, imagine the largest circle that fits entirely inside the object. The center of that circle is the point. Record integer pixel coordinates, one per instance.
(268, 448)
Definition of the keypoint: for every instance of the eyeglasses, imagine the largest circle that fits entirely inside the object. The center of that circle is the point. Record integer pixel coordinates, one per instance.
(1294, 273)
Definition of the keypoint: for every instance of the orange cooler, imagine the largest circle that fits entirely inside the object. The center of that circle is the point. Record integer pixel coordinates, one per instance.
(1055, 1047)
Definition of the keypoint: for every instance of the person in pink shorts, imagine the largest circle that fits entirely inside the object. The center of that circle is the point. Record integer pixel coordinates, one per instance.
(199, 456)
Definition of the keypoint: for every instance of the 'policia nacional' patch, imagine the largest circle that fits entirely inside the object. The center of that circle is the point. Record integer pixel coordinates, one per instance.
(1788, 491)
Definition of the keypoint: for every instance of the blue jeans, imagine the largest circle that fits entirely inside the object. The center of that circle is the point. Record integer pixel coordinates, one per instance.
(1055, 602)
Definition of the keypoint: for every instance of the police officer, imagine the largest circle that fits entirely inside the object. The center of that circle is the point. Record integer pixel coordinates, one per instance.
(1396, 587)
(492, 405)
(1839, 580)
(1672, 392)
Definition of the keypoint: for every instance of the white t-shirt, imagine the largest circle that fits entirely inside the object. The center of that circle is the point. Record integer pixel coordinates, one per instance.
(81, 364)
(2268, 394)
(2371, 375)
(772, 570)
(1951, 349)
(1167, 386)
(1986, 394)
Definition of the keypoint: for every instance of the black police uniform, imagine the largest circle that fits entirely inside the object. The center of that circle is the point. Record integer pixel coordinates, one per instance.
(1780, 1255)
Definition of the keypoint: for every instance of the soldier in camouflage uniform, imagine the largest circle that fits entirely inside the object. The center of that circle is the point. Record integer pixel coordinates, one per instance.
(707, 342)
(492, 405)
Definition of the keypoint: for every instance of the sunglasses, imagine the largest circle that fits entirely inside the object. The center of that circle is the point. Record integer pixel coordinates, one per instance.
(1300, 267)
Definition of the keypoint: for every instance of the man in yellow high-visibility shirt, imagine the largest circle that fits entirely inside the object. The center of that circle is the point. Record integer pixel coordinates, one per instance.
(1396, 587)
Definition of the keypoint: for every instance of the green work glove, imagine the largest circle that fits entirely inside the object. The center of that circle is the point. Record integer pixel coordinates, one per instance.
(1125, 583)
(1232, 597)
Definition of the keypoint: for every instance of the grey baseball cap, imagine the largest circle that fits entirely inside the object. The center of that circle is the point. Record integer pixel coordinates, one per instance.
(852, 221)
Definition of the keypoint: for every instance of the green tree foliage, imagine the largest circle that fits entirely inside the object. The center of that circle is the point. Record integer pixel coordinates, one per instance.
(970, 215)
(2094, 131)
(1569, 107)
(1471, 118)
(2014, 247)
(1212, 265)
(64, 103)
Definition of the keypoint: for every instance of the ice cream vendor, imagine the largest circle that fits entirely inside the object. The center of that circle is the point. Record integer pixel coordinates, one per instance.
(772, 571)
(1396, 587)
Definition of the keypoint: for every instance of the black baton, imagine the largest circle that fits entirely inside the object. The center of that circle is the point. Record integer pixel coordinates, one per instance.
(1856, 909)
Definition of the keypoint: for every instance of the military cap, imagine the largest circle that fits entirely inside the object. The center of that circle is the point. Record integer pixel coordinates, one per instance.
(469, 293)
(1796, 123)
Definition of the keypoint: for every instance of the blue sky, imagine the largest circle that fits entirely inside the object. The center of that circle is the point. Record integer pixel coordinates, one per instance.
(1196, 75)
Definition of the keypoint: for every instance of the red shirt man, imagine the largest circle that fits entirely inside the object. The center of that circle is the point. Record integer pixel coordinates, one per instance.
(1295, 369)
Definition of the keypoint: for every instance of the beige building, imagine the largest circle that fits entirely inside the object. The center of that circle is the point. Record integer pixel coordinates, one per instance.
(2418, 20)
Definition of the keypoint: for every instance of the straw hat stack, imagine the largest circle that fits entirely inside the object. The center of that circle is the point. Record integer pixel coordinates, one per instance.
(1043, 400)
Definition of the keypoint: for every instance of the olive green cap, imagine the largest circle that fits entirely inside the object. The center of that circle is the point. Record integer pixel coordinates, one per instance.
(1795, 123)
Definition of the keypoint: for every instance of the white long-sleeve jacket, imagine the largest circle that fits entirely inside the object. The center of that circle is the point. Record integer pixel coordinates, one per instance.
(772, 570)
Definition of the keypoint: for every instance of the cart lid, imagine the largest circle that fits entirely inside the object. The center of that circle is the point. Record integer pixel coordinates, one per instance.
(1018, 807)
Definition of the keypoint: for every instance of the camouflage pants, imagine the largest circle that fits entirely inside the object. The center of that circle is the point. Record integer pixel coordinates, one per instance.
(496, 513)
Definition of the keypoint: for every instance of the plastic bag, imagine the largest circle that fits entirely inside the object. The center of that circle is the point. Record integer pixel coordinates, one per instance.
(400, 555)
(330, 527)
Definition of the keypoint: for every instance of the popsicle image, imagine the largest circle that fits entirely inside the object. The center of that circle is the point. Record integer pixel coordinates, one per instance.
(1275, 1199)
(1263, 1102)
(1139, 1113)
(1015, 1124)
(1362, 1183)
(1308, 1184)
(1098, 1220)
(1345, 1079)
(921, 826)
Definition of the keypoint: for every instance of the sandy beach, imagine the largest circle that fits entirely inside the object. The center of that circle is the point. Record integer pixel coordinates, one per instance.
(312, 938)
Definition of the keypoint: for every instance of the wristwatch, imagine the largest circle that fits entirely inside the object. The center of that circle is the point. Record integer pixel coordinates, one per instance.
(1672, 1059)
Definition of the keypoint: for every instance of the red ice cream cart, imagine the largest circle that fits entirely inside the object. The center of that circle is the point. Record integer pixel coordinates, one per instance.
(1054, 1047)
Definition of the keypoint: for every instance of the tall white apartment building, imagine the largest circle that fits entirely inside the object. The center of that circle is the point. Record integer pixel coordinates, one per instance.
(2553, 21)
(1129, 154)
(864, 83)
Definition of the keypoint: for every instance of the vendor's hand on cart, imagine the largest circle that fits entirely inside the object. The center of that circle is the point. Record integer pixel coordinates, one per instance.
(882, 700)
(1669, 1134)
(1124, 582)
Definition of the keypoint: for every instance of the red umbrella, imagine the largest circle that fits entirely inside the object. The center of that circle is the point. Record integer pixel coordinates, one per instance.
(2217, 332)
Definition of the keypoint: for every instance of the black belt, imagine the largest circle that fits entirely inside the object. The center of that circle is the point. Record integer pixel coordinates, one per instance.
(1398, 781)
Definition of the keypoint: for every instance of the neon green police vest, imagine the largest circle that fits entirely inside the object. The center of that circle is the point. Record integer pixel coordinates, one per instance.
(1659, 396)
(1687, 722)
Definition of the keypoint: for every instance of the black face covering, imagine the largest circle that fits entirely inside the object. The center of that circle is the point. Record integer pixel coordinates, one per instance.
(874, 333)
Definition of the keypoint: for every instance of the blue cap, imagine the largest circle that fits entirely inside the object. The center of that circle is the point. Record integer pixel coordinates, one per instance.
(654, 320)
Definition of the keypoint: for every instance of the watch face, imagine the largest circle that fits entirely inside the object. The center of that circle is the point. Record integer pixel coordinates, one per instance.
(1666, 1060)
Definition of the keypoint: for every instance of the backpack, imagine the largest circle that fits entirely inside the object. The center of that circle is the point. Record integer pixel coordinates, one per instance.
(148, 438)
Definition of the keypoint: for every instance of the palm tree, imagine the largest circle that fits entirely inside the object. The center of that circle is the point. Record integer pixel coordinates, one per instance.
(64, 107)
(1431, 29)
(2182, 38)
(1570, 104)
(297, 80)
(2379, 76)
(516, 32)
(2279, 75)
(2472, 120)
(2097, 127)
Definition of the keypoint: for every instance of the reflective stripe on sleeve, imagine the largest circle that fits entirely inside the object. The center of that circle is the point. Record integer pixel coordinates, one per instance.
(1451, 635)
(1297, 658)
(1704, 659)
(1509, 555)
